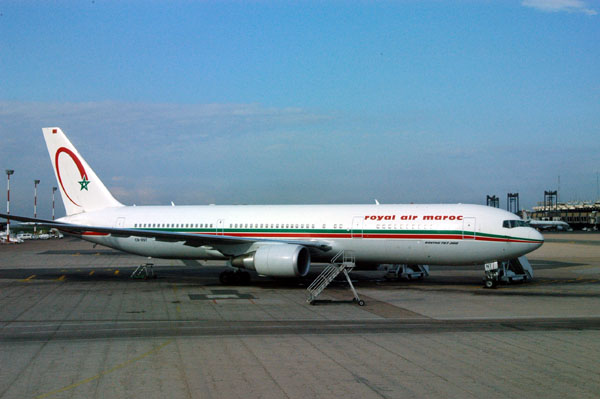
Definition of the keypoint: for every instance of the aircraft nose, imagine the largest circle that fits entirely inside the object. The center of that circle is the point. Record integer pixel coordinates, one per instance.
(535, 235)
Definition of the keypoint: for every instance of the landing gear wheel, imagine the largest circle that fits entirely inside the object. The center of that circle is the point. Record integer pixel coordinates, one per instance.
(229, 277)
(243, 277)
(361, 303)
(226, 277)
(490, 283)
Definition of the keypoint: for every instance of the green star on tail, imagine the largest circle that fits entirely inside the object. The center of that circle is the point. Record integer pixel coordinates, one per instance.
(84, 184)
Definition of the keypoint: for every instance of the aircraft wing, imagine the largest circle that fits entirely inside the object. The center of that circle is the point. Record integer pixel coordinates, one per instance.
(191, 239)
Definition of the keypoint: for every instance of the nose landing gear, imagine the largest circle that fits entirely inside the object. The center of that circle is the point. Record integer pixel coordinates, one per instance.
(509, 271)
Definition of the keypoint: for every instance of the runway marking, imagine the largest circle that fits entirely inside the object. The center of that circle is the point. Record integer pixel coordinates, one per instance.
(61, 278)
(91, 273)
(220, 294)
(26, 280)
(102, 374)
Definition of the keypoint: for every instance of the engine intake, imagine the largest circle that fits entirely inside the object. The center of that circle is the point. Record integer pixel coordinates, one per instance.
(277, 260)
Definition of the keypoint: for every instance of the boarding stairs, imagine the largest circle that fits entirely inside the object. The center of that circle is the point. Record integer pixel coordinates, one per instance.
(343, 262)
(509, 271)
(144, 272)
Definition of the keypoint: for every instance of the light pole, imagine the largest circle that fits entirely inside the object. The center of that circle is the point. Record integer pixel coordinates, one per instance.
(8, 173)
(53, 191)
(35, 184)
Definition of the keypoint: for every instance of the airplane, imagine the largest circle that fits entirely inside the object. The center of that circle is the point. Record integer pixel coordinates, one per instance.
(281, 240)
(546, 224)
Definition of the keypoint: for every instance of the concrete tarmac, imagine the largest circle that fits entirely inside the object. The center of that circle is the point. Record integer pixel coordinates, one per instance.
(74, 325)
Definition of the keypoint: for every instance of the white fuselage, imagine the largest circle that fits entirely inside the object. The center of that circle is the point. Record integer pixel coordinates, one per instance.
(453, 234)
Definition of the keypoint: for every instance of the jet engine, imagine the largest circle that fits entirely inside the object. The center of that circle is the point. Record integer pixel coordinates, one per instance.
(277, 260)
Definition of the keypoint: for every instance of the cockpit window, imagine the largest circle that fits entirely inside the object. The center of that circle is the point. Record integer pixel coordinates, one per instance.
(509, 224)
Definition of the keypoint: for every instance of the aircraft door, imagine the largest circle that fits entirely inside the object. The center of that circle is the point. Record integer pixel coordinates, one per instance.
(120, 223)
(220, 226)
(357, 227)
(469, 232)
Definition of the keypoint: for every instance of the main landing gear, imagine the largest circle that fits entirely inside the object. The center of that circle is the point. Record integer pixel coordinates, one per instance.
(238, 277)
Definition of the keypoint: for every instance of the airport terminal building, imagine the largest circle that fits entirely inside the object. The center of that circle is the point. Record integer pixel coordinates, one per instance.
(579, 215)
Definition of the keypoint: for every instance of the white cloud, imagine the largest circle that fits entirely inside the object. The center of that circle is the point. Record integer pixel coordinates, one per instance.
(572, 6)
(146, 152)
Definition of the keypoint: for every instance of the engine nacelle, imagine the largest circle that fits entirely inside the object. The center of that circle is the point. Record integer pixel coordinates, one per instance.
(277, 260)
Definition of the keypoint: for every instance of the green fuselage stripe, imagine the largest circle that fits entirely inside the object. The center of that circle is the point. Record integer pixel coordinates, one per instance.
(344, 233)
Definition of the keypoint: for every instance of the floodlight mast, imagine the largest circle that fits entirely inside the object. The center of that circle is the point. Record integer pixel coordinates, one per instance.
(35, 184)
(53, 191)
(8, 173)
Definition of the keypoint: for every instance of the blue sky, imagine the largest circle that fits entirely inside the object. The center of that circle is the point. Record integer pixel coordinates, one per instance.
(234, 102)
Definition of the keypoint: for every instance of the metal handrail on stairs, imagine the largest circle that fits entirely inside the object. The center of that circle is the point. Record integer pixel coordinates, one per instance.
(347, 263)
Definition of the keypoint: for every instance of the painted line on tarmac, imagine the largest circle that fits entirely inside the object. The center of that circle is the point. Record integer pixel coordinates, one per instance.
(102, 374)
(28, 279)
